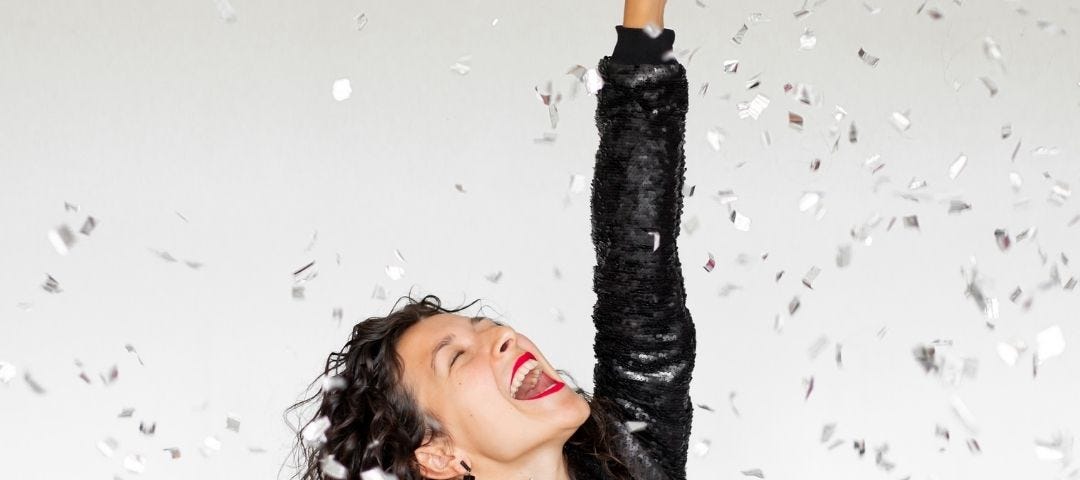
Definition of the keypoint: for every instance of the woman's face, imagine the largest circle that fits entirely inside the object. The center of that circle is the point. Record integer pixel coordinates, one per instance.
(460, 369)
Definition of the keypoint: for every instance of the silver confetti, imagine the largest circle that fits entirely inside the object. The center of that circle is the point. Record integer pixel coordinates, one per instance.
(494, 277)
(807, 40)
(225, 9)
(361, 21)
(957, 166)
(901, 121)
(738, 38)
(330, 467)
(108, 446)
(731, 66)
(62, 239)
(867, 58)
(51, 285)
(461, 66)
(232, 422)
(810, 276)
(88, 226)
(7, 372)
(755, 472)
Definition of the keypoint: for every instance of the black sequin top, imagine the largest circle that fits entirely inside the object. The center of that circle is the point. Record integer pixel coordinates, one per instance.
(645, 338)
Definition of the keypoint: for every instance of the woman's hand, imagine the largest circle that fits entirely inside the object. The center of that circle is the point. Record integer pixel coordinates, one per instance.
(638, 13)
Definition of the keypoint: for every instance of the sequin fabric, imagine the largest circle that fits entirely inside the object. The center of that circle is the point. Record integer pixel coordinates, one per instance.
(645, 337)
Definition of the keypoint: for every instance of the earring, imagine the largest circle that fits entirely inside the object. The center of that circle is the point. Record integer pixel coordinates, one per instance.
(467, 469)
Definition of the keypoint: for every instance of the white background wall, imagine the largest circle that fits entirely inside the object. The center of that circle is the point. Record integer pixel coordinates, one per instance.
(140, 112)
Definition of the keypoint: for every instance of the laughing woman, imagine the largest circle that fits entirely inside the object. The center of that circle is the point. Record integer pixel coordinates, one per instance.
(426, 393)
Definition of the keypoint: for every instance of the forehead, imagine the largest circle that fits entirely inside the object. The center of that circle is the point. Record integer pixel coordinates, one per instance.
(417, 342)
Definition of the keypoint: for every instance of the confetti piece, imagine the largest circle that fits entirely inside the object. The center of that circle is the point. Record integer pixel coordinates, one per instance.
(211, 443)
(872, 10)
(635, 426)
(1049, 343)
(361, 21)
(957, 165)
(1002, 238)
(395, 272)
(108, 446)
(7, 372)
(71, 207)
(379, 292)
(808, 384)
(62, 239)
(593, 81)
(1058, 447)
(867, 58)
(701, 448)
(88, 226)
(965, 416)
(810, 276)
(740, 221)
(332, 468)
(1010, 351)
(174, 452)
(1049, 27)
(753, 108)
(992, 49)
(987, 305)
(795, 121)
(225, 9)
(710, 263)
(126, 412)
(731, 66)
(51, 285)
(808, 40)
(715, 136)
(738, 38)
(793, 305)
(990, 85)
(755, 18)
(376, 474)
(756, 472)
(232, 422)
(148, 429)
(342, 89)
(652, 30)
(461, 66)
(901, 121)
(494, 277)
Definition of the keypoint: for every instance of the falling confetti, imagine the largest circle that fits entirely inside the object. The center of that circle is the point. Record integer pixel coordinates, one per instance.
(361, 21)
(957, 166)
(342, 89)
(867, 58)
(710, 263)
(808, 40)
(108, 446)
(900, 121)
(395, 272)
(461, 66)
(715, 136)
(51, 285)
(225, 9)
(494, 277)
(731, 66)
(738, 38)
(62, 239)
(7, 372)
(330, 467)
(1049, 343)
(232, 422)
(635, 426)
(740, 221)
(810, 276)
(755, 472)
(753, 108)
(33, 384)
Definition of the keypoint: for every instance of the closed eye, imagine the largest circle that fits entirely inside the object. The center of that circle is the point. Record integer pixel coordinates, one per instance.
(460, 353)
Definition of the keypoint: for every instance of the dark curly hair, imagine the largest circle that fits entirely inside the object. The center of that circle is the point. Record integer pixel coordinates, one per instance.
(374, 422)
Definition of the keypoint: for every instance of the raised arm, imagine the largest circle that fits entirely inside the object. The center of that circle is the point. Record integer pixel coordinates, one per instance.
(645, 338)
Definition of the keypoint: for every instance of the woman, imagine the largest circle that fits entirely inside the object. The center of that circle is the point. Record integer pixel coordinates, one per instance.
(425, 393)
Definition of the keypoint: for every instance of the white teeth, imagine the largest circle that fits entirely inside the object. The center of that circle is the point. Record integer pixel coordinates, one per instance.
(522, 372)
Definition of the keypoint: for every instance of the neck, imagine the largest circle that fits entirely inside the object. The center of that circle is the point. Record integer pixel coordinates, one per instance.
(544, 463)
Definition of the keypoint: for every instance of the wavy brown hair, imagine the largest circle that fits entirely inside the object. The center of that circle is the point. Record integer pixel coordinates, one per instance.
(375, 423)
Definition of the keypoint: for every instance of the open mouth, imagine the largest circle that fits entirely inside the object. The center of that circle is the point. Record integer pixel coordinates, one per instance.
(534, 383)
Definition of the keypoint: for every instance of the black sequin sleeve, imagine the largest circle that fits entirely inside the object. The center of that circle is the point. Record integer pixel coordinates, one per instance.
(645, 338)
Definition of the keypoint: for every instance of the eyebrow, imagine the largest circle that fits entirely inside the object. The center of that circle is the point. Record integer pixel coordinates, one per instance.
(447, 339)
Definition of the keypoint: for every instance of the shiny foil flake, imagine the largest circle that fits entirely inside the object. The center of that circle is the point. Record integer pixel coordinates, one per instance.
(710, 264)
(361, 21)
(957, 166)
(62, 239)
(148, 429)
(808, 385)
(1049, 344)
(51, 285)
(210, 445)
(808, 40)
(795, 121)
(701, 448)
(593, 81)
(395, 272)
(810, 276)
(753, 108)
(741, 222)
(738, 38)
(377, 474)
(986, 304)
(843, 255)
(867, 58)
(870, 9)
(967, 419)
(7, 372)
(991, 86)
(225, 9)
(332, 468)
(1002, 238)
(635, 426)
(754, 472)
(993, 51)
(494, 277)
(131, 349)
(108, 446)
(901, 121)
(71, 207)
(88, 226)
(461, 66)
(33, 384)
(731, 66)
(314, 434)
(1049, 27)
(652, 30)
(1010, 351)
(342, 89)
(1058, 448)
(793, 305)
(126, 412)
(715, 137)
(378, 292)
(232, 422)
(174, 452)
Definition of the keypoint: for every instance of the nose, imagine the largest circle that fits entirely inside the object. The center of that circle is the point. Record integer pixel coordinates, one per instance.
(504, 342)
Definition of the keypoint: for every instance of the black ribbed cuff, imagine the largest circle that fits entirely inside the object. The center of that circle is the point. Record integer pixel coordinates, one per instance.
(634, 46)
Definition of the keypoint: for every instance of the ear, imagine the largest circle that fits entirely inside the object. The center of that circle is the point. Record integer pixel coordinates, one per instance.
(437, 460)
